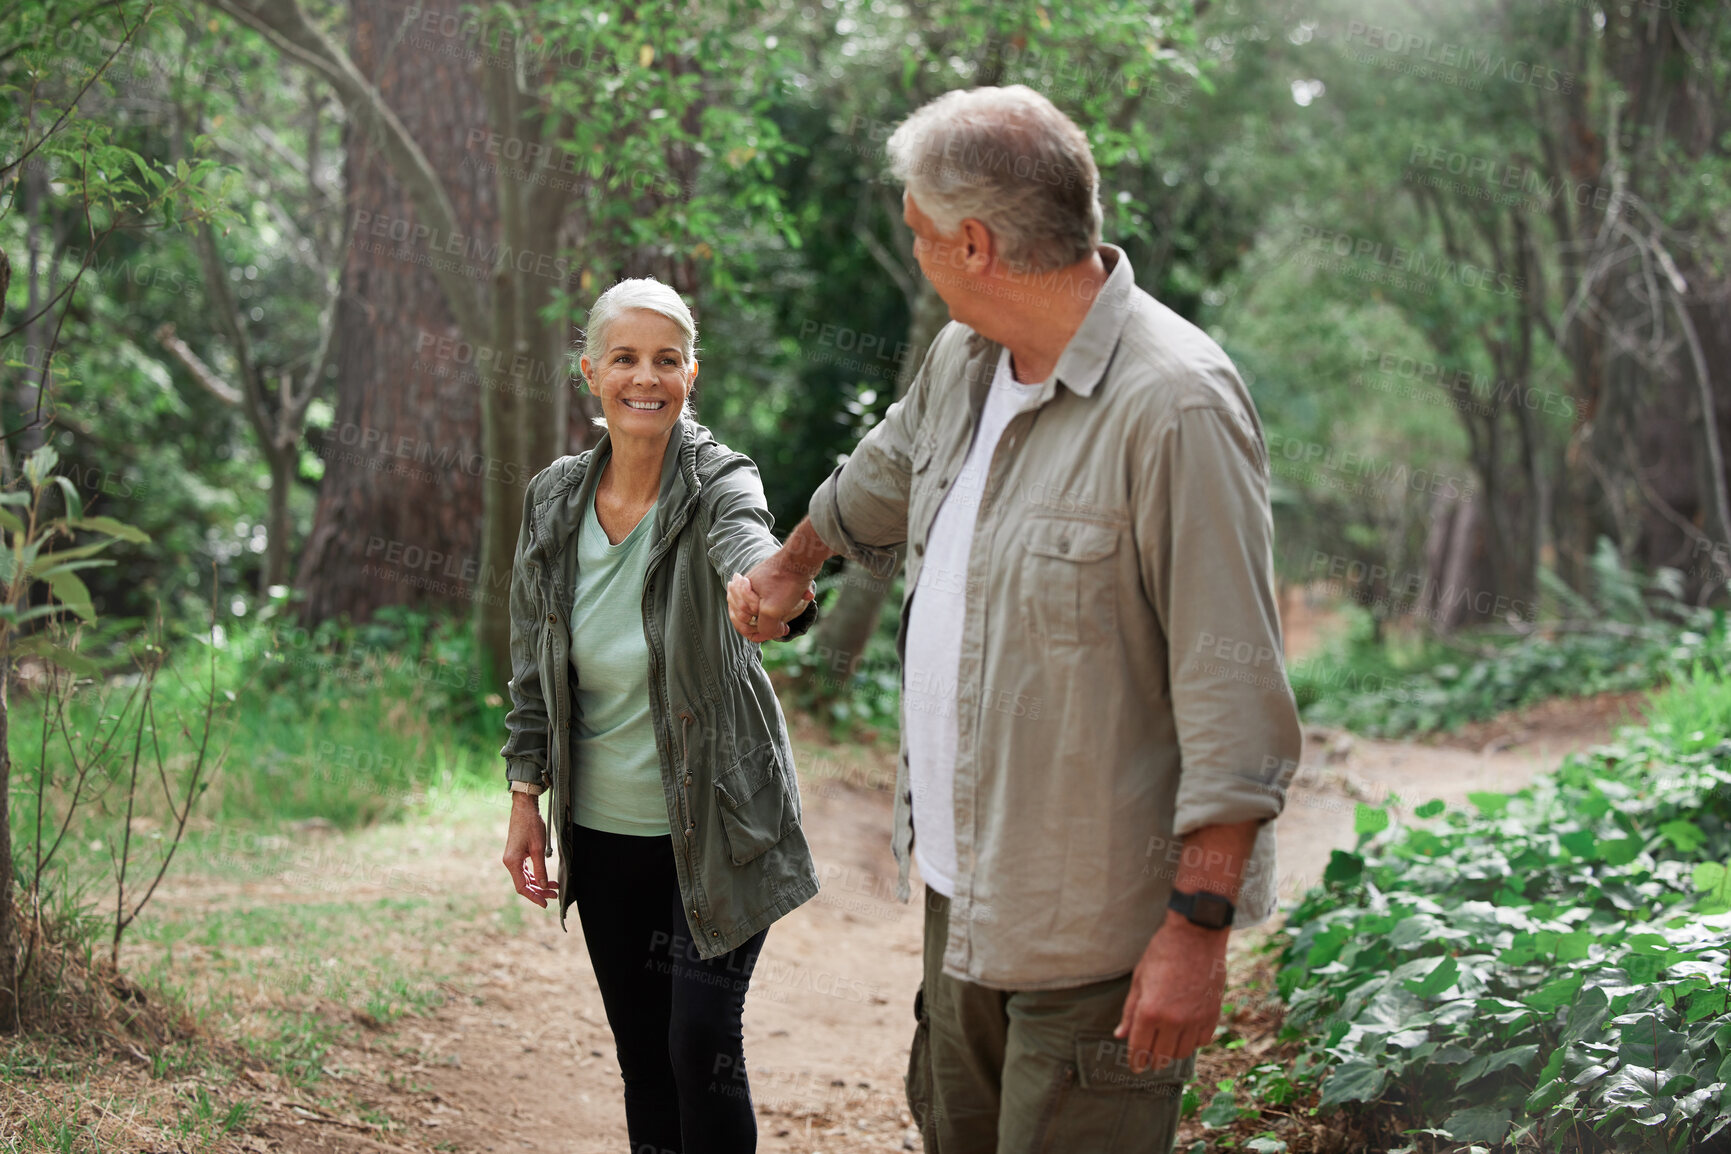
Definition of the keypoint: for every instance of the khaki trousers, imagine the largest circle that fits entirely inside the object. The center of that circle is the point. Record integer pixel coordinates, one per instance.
(1024, 1072)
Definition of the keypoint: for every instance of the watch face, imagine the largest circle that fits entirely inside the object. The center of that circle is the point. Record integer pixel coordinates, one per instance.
(1212, 910)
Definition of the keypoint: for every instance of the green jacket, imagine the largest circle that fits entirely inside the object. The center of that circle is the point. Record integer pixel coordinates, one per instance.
(726, 762)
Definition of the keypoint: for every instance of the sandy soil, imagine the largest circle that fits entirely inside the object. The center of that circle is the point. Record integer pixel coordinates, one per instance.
(519, 1057)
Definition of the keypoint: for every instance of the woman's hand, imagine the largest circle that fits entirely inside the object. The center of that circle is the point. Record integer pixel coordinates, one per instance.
(526, 850)
(752, 617)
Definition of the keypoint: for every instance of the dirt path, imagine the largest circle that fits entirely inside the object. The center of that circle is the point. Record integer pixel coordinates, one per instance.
(519, 1057)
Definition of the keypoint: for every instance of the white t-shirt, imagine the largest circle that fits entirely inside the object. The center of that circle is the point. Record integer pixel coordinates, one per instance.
(934, 645)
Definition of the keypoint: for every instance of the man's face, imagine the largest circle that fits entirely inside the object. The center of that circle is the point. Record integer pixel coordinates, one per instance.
(937, 254)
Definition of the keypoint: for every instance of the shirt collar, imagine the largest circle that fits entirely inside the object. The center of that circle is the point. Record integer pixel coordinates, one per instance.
(1084, 360)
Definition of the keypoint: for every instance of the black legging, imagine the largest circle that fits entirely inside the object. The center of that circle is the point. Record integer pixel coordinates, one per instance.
(675, 1017)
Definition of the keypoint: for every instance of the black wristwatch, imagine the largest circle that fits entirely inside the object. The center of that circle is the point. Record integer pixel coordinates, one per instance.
(1210, 911)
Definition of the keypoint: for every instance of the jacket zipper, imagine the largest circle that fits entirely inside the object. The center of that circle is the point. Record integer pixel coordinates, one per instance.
(658, 679)
(685, 781)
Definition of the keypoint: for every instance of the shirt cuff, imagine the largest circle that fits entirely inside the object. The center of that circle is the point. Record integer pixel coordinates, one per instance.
(825, 514)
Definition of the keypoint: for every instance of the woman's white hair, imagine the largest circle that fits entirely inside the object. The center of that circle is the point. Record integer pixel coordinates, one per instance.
(1010, 159)
(637, 293)
(643, 292)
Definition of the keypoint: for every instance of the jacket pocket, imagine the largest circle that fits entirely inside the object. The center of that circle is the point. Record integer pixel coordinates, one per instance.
(1068, 578)
(755, 810)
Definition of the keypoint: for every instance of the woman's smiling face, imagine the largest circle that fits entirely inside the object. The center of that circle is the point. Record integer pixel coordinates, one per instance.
(643, 376)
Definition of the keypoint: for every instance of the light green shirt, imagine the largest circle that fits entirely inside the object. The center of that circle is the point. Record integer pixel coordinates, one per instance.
(618, 778)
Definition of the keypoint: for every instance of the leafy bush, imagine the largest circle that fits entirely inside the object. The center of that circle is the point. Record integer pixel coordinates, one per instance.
(868, 698)
(1556, 962)
(1634, 633)
(1355, 691)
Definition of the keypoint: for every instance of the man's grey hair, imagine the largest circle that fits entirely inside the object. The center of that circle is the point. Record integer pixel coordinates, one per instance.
(639, 293)
(1008, 158)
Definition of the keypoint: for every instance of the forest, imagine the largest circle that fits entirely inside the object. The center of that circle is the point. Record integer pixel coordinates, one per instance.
(290, 300)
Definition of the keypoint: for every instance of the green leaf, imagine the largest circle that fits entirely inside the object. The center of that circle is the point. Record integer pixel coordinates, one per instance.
(1343, 868)
(1478, 1124)
(1490, 805)
(113, 528)
(1519, 1057)
(1586, 1012)
(1685, 835)
(1713, 882)
(73, 593)
(1552, 994)
(45, 561)
(1620, 851)
(1430, 808)
(1547, 1095)
(1573, 946)
(1441, 976)
(1222, 1111)
(11, 521)
(40, 464)
(1368, 821)
(1706, 1004)
(1356, 1080)
(1580, 842)
(1263, 1144)
(68, 659)
(74, 503)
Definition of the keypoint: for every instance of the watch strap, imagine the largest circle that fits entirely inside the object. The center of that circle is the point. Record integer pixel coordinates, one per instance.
(1210, 911)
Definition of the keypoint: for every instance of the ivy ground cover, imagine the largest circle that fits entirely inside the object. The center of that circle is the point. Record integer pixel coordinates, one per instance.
(1543, 970)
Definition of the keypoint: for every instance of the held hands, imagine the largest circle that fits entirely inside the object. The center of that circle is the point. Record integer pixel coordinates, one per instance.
(762, 602)
(526, 851)
(1175, 994)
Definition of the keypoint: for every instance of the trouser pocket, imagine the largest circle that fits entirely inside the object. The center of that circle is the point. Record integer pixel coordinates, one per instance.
(919, 1077)
(1096, 1104)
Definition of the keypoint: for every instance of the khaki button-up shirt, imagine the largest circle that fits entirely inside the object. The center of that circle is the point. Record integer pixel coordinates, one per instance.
(1121, 680)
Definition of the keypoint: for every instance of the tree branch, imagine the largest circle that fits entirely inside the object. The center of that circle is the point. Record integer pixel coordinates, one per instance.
(284, 23)
(201, 372)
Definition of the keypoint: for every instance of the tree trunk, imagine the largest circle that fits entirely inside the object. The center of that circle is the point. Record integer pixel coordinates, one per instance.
(399, 514)
(1460, 567)
(842, 633)
(279, 526)
(42, 249)
(8, 924)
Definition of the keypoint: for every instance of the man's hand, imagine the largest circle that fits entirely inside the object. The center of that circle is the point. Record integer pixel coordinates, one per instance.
(756, 614)
(761, 602)
(526, 851)
(1175, 993)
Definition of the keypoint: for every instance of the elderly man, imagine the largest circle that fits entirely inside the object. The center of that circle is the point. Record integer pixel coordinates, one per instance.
(1097, 728)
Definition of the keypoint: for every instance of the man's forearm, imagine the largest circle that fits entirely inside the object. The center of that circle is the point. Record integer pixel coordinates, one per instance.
(1214, 858)
(803, 553)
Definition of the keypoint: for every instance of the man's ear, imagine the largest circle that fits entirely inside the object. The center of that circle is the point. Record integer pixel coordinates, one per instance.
(979, 247)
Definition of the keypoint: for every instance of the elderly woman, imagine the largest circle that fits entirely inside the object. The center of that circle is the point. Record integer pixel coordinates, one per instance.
(653, 726)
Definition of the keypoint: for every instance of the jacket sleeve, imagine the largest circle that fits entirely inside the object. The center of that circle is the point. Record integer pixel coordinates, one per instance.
(1205, 546)
(525, 749)
(738, 528)
(861, 509)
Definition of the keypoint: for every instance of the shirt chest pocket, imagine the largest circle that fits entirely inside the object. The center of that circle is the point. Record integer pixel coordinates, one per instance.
(924, 495)
(1069, 579)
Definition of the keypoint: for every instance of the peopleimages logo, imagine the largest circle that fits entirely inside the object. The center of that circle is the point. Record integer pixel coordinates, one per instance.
(1462, 59)
(488, 257)
(1345, 246)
